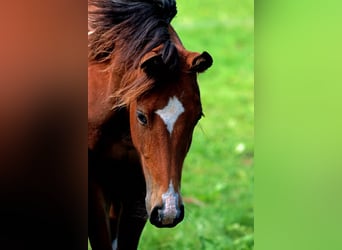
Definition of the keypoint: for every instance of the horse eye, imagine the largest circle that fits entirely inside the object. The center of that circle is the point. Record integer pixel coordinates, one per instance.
(141, 118)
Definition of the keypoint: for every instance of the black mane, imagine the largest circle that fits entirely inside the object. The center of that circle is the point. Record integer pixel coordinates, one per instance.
(133, 27)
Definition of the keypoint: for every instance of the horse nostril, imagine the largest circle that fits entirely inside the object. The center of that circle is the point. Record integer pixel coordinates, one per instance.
(181, 215)
(161, 218)
(155, 217)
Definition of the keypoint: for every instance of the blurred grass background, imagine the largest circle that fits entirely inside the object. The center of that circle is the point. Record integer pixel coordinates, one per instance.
(217, 182)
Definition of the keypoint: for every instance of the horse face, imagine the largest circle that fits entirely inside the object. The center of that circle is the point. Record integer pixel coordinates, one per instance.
(162, 122)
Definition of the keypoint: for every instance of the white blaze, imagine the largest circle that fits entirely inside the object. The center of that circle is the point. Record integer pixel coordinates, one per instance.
(171, 112)
(170, 200)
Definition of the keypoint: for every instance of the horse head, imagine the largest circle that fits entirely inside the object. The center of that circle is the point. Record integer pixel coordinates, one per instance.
(162, 121)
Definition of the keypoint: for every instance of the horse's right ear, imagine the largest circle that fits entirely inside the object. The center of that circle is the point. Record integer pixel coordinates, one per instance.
(153, 65)
(201, 62)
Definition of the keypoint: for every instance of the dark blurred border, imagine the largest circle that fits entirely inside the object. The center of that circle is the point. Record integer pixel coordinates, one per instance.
(43, 113)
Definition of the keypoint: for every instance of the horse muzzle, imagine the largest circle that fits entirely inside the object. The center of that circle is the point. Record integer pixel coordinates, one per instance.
(170, 213)
(163, 217)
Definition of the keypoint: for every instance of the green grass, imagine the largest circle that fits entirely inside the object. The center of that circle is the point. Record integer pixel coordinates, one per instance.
(217, 181)
(218, 171)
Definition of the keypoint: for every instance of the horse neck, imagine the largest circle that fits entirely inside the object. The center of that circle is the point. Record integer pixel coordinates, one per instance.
(101, 84)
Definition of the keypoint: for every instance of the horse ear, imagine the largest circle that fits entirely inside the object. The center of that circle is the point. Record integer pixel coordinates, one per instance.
(201, 63)
(153, 65)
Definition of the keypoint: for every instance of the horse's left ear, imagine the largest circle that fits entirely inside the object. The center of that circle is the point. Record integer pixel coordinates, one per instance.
(201, 62)
(153, 65)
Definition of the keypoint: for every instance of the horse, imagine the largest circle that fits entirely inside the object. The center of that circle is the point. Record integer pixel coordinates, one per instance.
(143, 105)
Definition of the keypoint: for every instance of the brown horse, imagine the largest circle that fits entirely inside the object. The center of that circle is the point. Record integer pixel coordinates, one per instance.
(143, 104)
